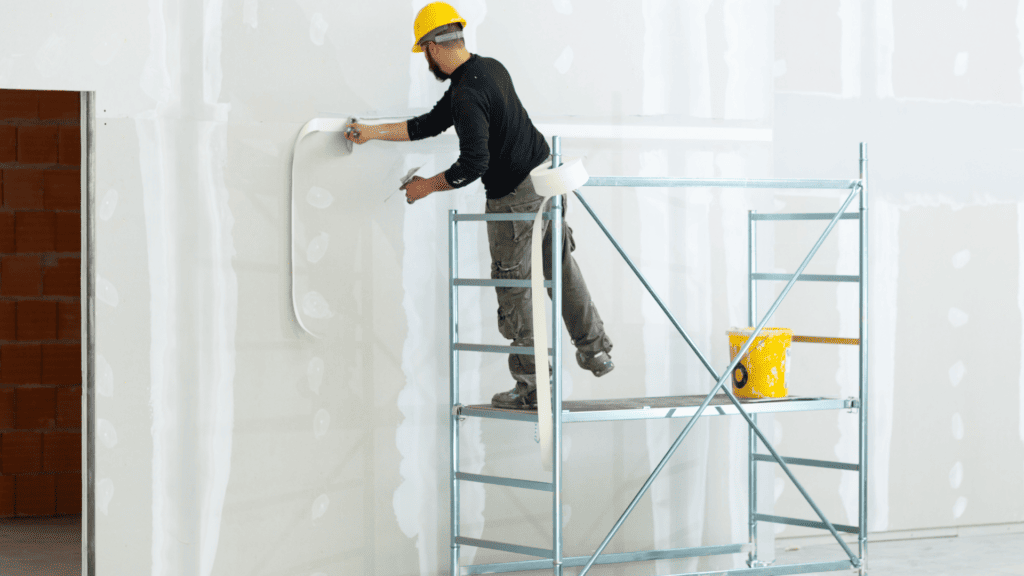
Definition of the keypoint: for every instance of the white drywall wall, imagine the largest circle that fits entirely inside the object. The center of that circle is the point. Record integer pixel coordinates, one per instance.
(232, 442)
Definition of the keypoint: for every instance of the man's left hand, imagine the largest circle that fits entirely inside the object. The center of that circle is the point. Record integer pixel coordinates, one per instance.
(417, 188)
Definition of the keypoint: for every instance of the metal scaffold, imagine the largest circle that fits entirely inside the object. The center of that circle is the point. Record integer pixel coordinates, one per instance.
(719, 401)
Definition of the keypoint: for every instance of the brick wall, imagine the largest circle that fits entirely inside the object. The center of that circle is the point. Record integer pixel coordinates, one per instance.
(40, 248)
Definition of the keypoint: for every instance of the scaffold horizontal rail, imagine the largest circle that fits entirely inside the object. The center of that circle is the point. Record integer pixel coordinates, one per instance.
(497, 349)
(511, 482)
(804, 523)
(806, 277)
(617, 558)
(668, 182)
(499, 217)
(505, 547)
(499, 283)
(826, 340)
(803, 216)
(574, 411)
(809, 462)
(780, 570)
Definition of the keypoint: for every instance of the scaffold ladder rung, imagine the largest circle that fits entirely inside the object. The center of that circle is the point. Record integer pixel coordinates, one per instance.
(528, 350)
(804, 216)
(499, 283)
(512, 482)
(505, 547)
(804, 523)
(806, 277)
(808, 462)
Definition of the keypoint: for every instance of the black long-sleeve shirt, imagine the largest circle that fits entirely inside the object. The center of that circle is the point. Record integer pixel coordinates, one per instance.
(497, 140)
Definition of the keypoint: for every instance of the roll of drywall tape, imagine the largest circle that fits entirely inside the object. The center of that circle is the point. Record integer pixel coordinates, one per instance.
(548, 182)
(762, 372)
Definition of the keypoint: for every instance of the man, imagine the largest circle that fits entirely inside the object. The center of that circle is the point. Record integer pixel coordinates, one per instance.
(499, 144)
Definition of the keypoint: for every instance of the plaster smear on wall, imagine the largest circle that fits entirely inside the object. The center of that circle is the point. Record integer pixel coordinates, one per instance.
(656, 256)
(1020, 299)
(748, 29)
(197, 463)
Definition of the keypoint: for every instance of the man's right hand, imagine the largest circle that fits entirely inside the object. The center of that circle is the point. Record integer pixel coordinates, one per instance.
(358, 133)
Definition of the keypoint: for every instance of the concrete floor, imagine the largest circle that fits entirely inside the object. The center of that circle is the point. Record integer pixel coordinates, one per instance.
(52, 547)
(49, 546)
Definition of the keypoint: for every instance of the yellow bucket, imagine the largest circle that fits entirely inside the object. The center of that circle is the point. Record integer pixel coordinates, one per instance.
(762, 372)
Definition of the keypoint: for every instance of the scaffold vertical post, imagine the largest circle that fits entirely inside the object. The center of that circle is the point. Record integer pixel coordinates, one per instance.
(453, 363)
(556, 345)
(751, 436)
(863, 372)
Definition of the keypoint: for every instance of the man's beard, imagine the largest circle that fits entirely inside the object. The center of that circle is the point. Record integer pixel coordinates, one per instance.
(438, 73)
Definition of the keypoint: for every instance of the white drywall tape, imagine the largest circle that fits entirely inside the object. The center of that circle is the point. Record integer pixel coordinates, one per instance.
(547, 182)
(635, 132)
(314, 125)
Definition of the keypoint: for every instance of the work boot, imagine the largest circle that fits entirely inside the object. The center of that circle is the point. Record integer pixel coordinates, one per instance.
(522, 397)
(600, 363)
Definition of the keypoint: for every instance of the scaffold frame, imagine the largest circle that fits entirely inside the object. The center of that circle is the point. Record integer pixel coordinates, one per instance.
(691, 407)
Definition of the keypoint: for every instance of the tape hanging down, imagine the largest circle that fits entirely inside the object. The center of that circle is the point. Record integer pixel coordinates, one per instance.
(547, 182)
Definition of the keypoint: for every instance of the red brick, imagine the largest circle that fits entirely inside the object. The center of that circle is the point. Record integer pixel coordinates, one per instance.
(22, 452)
(19, 104)
(68, 232)
(23, 189)
(69, 407)
(8, 144)
(6, 233)
(62, 364)
(62, 452)
(21, 363)
(8, 319)
(63, 190)
(37, 144)
(6, 408)
(34, 232)
(37, 320)
(62, 279)
(6, 496)
(59, 105)
(35, 408)
(69, 493)
(69, 321)
(20, 276)
(35, 495)
(69, 145)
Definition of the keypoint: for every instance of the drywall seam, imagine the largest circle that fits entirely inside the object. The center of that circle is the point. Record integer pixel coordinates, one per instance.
(850, 41)
(1020, 305)
(415, 501)
(699, 69)
(627, 132)
(217, 374)
(655, 253)
(847, 373)
(884, 46)
(747, 32)
(161, 81)
(884, 223)
(655, 76)
(1020, 42)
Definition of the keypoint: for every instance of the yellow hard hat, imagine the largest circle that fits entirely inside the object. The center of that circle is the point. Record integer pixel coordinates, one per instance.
(432, 16)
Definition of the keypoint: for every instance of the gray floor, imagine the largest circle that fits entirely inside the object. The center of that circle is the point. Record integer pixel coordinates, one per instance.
(52, 547)
(992, 555)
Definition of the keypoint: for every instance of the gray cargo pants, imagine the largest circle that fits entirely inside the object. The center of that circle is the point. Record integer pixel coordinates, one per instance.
(510, 259)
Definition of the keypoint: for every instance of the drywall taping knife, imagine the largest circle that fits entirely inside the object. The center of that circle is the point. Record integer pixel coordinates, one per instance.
(405, 181)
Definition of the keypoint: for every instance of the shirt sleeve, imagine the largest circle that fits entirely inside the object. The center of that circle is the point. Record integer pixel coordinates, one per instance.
(434, 122)
(472, 127)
